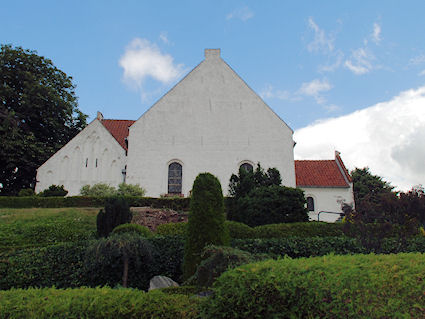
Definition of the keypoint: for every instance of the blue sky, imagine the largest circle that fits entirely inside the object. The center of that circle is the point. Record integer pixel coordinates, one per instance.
(317, 64)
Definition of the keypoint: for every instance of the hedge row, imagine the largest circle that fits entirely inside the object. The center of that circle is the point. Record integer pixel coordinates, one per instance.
(95, 303)
(360, 286)
(65, 266)
(179, 204)
(241, 231)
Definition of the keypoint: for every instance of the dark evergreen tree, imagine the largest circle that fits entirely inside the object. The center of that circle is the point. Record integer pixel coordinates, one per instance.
(116, 212)
(206, 221)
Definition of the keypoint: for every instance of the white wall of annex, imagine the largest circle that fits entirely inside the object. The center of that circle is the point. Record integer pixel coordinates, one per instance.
(210, 122)
(328, 199)
(68, 166)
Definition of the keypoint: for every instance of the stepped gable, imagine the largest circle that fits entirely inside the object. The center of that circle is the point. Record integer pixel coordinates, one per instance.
(118, 129)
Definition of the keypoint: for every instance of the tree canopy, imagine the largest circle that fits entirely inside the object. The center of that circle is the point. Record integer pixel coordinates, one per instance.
(38, 115)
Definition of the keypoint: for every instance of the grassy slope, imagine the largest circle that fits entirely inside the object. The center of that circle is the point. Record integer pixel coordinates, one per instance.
(36, 227)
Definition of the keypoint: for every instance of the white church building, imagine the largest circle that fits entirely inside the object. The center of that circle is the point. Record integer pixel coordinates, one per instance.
(211, 121)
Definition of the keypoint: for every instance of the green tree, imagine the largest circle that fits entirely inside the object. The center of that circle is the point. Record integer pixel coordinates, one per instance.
(116, 212)
(38, 115)
(206, 221)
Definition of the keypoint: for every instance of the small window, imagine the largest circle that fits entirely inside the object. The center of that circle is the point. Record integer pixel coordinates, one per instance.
(87, 162)
(310, 204)
(96, 162)
(174, 178)
(248, 167)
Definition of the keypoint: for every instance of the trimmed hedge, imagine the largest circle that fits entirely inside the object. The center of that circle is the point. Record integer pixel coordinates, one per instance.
(172, 229)
(63, 266)
(179, 204)
(95, 303)
(133, 228)
(360, 286)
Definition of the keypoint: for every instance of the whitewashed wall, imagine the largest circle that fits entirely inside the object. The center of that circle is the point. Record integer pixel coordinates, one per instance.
(68, 166)
(209, 122)
(328, 199)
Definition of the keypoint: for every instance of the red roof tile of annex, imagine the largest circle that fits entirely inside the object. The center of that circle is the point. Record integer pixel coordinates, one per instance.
(118, 129)
(319, 173)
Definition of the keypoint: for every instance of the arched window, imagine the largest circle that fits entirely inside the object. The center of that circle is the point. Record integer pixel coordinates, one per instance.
(248, 167)
(174, 178)
(310, 204)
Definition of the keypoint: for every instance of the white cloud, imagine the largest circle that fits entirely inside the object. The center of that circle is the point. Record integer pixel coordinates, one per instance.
(164, 37)
(321, 42)
(360, 61)
(376, 34)
(243, 14)
(387, 137)
(314, 89)
(422, 73)
(143, 59)
(419, 59)
(269, 92)
(339, 56)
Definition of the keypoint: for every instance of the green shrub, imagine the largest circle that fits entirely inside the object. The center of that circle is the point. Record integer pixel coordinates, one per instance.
(179, 204)
(124, 256)
(26, 192)
(116, 212)
(306, 230)
(133, 228)
(130, 190)
(272, 205)
(360, 286)
(54, 191)
(215, 261)
(96, 303)
(99, 189)
(206, 221)
(239, 230)
(181, 290)
(172, 229)
(296, 247)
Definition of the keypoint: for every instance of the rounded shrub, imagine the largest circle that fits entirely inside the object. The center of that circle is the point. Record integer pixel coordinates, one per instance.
(239, 230)
(54, 191)
(172, 229)
(26, 192)
(133, 228)
(206, 221)
(359, 286)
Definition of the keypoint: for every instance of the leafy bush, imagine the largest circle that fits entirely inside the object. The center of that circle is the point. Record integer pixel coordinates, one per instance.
(179, 204)
(126, 256)
(130, 190)
(133, 228)
(296, 247)
(54, 191)
(116, 212)
(215, 261)
(96, 303)
(172, 229)
(206, 221)
(306, 230)
(26, 192)
(359, 286)
(99, 189)
(239, 230)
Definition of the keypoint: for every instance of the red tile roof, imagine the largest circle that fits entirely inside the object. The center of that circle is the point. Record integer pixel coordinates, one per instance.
(118, 129)
(321, 173)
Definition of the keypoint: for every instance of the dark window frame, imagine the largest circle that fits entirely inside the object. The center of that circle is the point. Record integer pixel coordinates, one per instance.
(175, 178)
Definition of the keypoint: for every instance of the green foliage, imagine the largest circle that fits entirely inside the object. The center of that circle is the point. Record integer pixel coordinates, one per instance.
(130, 190)
(240, 230)
(296, 247)
(125, 255)
(271, 205)
(133, 228)
(26, 192)
(179, 204)
(57, 265)
(116, 212)
(39, 115)
(302, 230)
(54, 191)
(367, 186)
(206, 221)
(360, 286)
(258, 199)
(172, 229)
(25, 228)
(105, 303)
(99, 189)
(215, 261)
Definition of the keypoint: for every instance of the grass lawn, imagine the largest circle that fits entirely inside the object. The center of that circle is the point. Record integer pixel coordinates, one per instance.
(36, 227)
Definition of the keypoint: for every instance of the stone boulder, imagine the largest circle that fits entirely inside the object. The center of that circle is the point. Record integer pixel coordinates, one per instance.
(161, 282)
